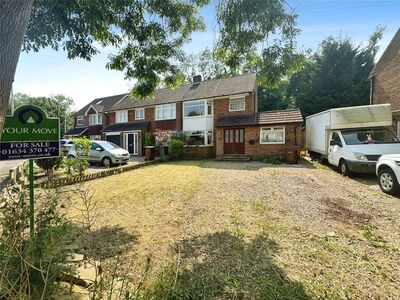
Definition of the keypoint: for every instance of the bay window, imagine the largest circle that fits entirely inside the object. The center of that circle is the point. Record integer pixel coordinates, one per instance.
(139, 113)
(121, 116)
(237, 104)
(272, 135)
(95, 119)
(165, 112)
(197, 108)
(199, 138)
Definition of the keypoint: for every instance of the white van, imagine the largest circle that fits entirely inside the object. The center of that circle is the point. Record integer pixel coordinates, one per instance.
(352, 138)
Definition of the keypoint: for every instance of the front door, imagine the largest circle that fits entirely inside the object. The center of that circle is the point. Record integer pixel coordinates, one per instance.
(234, 141)
(131, 143)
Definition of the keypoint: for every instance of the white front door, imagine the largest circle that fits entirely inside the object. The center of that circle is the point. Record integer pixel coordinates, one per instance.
(335, 149)
(131, 143)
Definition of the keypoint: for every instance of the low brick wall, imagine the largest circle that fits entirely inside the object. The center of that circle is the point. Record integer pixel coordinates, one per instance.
(86, 177)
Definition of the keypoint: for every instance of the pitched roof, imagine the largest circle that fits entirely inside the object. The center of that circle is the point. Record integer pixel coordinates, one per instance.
(127, 126)
(76, 131)
(391, 51)
(262, 118)
(101, 104)
(202, 90)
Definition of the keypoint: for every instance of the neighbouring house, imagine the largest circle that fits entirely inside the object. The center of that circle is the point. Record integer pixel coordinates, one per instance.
(385, 80)
(219, 117)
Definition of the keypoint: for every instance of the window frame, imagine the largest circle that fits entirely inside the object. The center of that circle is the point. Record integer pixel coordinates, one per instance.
(237, 100)
(205, 134)
(170, 106)
(119, 113)
(206, 103)
(79, 121)
(95, 135)
(136, 113)
(99, 119)
(273, 129)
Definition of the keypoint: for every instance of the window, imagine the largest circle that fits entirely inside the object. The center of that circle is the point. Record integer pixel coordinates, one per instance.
(121, 116)
(199, 138)
(165, 112)
(236, 104)
(272, 135)
(197, 108)
(139, 114)
(79, 121)
(369, 136)
(95, 119)
(95, 137)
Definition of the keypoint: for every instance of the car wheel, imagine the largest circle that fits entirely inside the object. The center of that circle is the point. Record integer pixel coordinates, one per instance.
(106, 161)
(388, 181)
(70, 156)
(344, 168)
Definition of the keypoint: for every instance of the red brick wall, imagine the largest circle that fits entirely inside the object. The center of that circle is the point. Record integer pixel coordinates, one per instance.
(198, 152)
(176, 124)
(292, 140)
(221, 107)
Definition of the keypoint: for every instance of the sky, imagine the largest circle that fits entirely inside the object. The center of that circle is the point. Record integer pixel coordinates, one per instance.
(50, 72)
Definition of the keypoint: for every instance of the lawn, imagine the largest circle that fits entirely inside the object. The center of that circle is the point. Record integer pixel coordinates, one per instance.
(226, 230)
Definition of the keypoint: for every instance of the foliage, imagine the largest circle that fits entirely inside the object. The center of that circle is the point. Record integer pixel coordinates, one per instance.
(180, 136)
(58, 106)
(273, 159)
(148, 34)
(175, 148)
(247, 24)
(274, 98)
(82, 148)
(49, 165)
(149, 139)
(30, 267)
(336, 76)
(162, 138)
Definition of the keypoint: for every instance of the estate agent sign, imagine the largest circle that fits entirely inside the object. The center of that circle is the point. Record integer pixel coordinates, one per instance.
(29, 133)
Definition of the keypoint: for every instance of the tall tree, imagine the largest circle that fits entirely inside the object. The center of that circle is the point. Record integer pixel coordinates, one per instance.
(58, 106)
(335, 76)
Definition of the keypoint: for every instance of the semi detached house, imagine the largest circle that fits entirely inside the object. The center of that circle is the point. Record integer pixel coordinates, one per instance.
(219, 117)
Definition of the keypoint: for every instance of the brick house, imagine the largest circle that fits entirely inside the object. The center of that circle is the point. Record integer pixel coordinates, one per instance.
(385, 80)
(205, 111)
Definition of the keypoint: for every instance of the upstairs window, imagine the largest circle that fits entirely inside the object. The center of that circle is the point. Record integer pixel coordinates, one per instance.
(272, 135)
(165, 112)
(79, 121)
(237, 104)
(197, 108)
(139, 114)
(121, 116)
(95, 119)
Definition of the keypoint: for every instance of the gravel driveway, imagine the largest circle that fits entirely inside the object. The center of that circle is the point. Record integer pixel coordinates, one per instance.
(248, 230)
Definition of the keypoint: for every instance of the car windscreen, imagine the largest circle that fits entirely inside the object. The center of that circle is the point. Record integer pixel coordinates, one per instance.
(109, 146)
(369, 136)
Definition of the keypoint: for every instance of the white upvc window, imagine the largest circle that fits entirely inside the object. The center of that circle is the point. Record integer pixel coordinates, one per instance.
(139, 113)
(121, 116)
(95, 119)
(199, 138)
(165, 112)
(237, 104)
(272, 135)
(95, 137)
(79, 120)
(197, 108)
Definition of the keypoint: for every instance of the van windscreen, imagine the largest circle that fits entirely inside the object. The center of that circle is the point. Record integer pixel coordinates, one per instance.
(369, 136)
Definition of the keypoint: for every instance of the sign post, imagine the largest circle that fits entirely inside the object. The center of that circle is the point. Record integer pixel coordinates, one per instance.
(29, 134)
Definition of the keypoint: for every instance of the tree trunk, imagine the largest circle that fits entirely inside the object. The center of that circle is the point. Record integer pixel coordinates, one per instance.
(14, 17)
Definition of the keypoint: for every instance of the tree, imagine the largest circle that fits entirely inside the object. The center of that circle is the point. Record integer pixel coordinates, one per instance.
(335, 76)
(58, 106)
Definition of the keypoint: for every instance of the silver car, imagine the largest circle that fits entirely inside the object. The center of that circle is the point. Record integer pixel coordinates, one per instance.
(103, 152)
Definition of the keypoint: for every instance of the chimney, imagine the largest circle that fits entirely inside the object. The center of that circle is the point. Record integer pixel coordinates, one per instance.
(196, 79)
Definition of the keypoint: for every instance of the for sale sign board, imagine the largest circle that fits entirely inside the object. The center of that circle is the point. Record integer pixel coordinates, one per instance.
(29, 133)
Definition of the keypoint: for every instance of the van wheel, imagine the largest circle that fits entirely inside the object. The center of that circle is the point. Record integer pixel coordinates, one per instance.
(344, 168)
(388, 181)
(106, 161)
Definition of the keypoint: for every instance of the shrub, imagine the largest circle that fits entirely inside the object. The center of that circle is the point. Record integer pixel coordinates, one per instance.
(82, 148)
(49, 165)
(273, 159)
(175, 148)
(149, 139)
(180, 136)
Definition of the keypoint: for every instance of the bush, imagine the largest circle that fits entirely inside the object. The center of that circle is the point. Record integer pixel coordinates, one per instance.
(175, 148)
(82, 148)
(180, 136)
(149, 139)
(49, 165)
(273, 159)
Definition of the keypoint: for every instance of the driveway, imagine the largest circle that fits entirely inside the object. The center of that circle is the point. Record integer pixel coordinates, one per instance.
(247, 230)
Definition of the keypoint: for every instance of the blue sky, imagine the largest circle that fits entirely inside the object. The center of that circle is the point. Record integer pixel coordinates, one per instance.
(50, 72)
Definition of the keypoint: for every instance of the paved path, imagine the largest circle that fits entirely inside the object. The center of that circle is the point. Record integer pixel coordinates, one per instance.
(5, 165)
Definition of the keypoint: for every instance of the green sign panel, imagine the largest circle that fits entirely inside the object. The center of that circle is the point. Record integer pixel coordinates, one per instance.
(29, 133)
